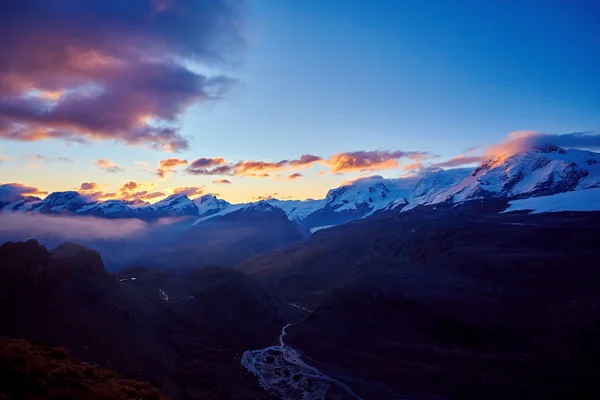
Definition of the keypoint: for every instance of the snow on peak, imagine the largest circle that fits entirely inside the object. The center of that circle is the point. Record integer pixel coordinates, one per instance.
(176, 204)
(536, 171)
(62, 202)
(261, 206)
(210, 204)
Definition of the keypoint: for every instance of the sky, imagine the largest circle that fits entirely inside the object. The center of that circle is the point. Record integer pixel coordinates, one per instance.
(282, 98)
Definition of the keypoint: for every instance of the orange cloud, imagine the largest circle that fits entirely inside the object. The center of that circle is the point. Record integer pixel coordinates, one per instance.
(188, 190)
(371, 160)
(260, 169)
(135, 190)
(412, 167)
(222, 182)
(293, 176)
(168, 166)
(154, 195)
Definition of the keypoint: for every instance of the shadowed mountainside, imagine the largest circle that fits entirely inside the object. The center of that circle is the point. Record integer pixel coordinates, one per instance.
(184, 333)
(226, 240)
(457, 301)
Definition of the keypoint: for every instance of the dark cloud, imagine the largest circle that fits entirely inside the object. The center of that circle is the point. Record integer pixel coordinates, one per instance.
(222, 182)
(371, 160)
(209, 166)
(112, 69)
(458, 161)
(168, 166)
(108, 166)
(293, 176)
(15, 191)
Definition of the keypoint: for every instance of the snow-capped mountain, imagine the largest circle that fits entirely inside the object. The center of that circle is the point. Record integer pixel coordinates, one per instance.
(21, 203)
(209, 204)
(61, 202)
(118, 209)
(176, 205)
(432, 183)
(537, 171)
(359, 199)
(438, 180)
(298, 209)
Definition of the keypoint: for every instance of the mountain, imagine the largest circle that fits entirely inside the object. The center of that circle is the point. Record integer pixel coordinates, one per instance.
(209, 204)
(33, 371)
(461, 301)
(357, 200)
(537, 171)
(298, 209)
(183, 333)
(534, 172)
(20, 203)
(119, 209)
(61, 203)
(227, 239)
(175, 205)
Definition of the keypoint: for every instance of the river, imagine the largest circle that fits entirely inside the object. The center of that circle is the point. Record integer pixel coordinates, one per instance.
(282, 372)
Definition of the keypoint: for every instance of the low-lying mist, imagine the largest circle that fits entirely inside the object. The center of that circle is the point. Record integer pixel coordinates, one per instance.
(119, 241)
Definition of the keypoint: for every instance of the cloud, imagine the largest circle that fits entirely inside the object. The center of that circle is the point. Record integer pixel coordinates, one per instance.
(209, 166)
(154, 195)
(40, 157)
(14, 191)
(4, 159)
(252, 168)
(88, 186)
(412, 167)
(23, 226)
(168, 166)
(188, 191)
(305, 159)
(111, 69)
(136, 190)
(524, 140)
(108, 165)
(267, 197)
(372, 160)
(293, 176)
(458, 161)
(222, 182)
(362, 179)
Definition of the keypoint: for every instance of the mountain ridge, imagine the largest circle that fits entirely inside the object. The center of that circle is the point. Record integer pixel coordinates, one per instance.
(533, 172)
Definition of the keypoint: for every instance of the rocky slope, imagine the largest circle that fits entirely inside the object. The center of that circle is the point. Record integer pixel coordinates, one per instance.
(461, 302)
(183, 333)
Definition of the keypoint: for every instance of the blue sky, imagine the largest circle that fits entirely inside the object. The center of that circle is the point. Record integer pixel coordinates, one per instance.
(327, 77)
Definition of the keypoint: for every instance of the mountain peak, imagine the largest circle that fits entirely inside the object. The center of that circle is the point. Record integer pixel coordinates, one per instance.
(262, 206)
(535, 171)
